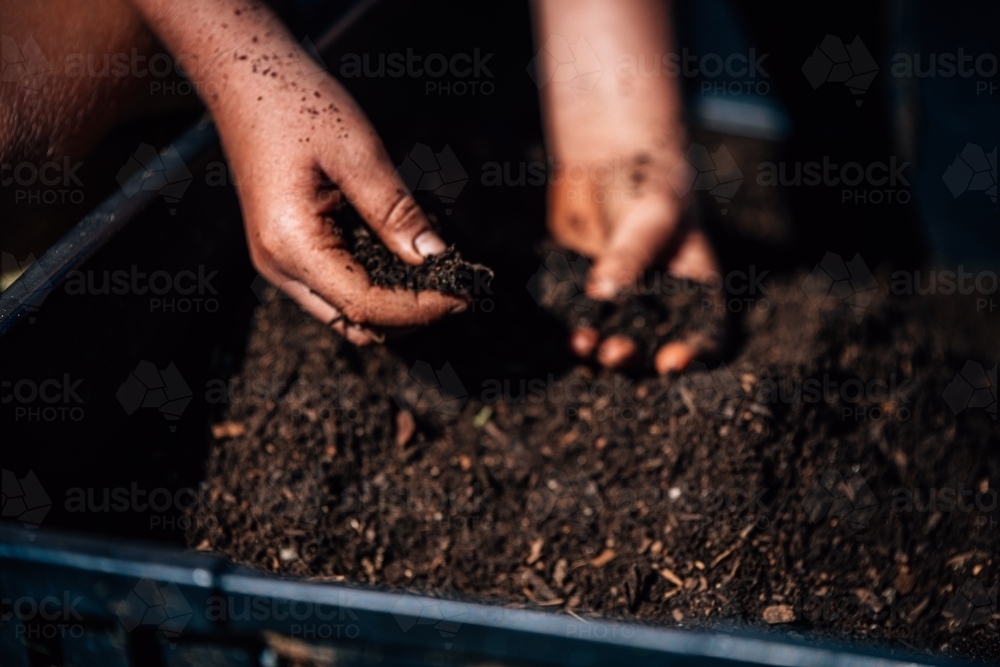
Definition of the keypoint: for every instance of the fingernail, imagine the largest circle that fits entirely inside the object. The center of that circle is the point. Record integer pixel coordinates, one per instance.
(459, 307)
(428, 243)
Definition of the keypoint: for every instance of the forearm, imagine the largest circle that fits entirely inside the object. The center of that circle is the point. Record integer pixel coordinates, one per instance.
(233, 51)
(628, 39)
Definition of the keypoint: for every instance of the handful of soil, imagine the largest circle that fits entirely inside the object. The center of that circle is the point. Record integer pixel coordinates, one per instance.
(657, 310)
(446, 272)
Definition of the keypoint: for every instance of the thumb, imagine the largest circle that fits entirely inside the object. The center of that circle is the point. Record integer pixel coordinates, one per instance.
(635, 243)
(380, 196)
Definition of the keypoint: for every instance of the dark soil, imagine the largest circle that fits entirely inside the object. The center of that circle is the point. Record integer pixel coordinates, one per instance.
(656, 310)
(726, 495)
(446, 272)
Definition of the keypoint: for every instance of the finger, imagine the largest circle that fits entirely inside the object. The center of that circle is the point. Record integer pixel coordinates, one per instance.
(645, 229)
(583, 341)
(323, 311)
(329, 270)
(377, 191)
(575, 220)
(696, 260)
(301, 244)
(617, 352)
(674, 357)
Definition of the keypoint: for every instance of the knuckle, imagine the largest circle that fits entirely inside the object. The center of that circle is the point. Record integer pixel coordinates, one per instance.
(263, 262)
(266, 248)
(404, 217)
(355, 313)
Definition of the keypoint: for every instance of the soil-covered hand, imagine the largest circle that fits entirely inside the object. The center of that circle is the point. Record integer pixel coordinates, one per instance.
(618, 140)
(297, 142)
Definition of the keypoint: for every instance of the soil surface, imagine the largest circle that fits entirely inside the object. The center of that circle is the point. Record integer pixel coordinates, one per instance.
(816, 482)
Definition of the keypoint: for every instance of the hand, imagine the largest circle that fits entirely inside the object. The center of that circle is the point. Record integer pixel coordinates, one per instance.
(618, 141)
(281, 147)
(289, 130)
